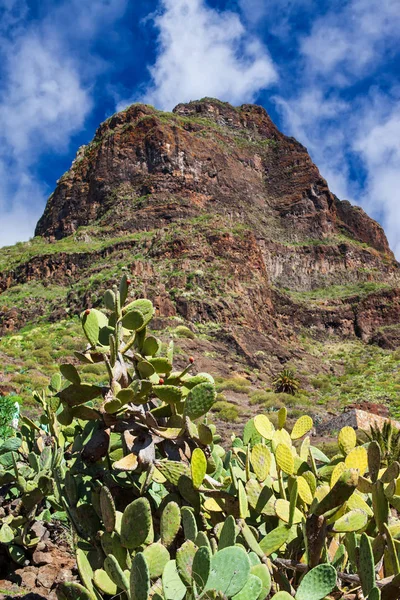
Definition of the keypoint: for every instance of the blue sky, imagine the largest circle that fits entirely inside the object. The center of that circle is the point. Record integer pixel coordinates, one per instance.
(327, 73)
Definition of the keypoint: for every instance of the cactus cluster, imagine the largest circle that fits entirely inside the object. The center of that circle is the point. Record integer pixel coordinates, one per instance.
(159, 509)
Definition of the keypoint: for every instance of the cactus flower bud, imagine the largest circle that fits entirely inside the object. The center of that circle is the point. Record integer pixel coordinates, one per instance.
(191, 359)
(161, 381)
(87, 312)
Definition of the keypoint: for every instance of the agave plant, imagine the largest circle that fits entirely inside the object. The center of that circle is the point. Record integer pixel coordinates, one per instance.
(286, 382)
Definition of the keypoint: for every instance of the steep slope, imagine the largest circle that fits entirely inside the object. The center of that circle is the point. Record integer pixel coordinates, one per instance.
(223, 221)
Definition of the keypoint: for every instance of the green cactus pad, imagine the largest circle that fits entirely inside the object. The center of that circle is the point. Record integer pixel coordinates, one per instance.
(229, 571)
(173, 586)
(198, 466)
(161, 365)
(262, 572)
(200, 400)
(282, 509)
(157, 557)
(170, 523)
(139, 581)
(340, 492)
(144, 306)
(366, 566)
(201, 567)
(282, 596)
(107, 508)
(133, 320)
(70, 373)
(302, 426)
(274, 539)
(228, 533)
(355, 520)
(115, 572)
(92, 323)
(73, 591)
(85, 569)
(317, 583)
(104, 583)
(6, 534)
(191, 380)
(168, 393)
(151, 346)
(189, 524)
(251, 589)
(172, 470)
(184, 561)
(136, 523)
(375, 594)
(261, 461)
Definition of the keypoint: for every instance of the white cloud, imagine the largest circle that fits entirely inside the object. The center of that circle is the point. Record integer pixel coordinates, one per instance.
(350, 128)
(45, 96)
(377, 143)
(346, 42)
(204, 52)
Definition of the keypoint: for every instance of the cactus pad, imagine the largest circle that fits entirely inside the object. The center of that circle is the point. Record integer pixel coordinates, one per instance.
(107, 508)
(168, 393)
(139, 582)
(366, 566)
(170, 523)
(189, 524)
(284, 459)
(282, 415)
(347, 440)
(184, 560)
(198, 467)
(282, 509)
(317, 583)
(251, 589)
(228, 533)
(262, 572)
(275, 539)
(351, 521)
(115, 572)
(201, 567)
(173, 586)
(304, 490)
(73, 591)
(199, 400)
(136, 523)
(229, 571)
(263, 426)
(302, 426)
(157, 557)
(261, 461)
(357, 459)
(104, 583)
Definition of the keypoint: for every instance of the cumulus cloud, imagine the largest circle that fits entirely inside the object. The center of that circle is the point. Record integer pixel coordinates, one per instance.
(377, 143)
(346, 43)
(350, 129)
(44, 99)
(204, 52)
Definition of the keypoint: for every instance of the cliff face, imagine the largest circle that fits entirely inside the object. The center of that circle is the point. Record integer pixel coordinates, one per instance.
(219, 217)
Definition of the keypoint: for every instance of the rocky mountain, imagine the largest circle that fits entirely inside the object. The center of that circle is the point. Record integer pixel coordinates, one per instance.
(225, 223)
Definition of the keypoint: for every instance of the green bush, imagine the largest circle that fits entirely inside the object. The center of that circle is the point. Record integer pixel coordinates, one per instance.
(184, 332)
(234, 384)
(7, 414)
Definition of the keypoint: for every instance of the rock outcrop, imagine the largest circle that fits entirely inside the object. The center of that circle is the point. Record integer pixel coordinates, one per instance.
(219, 217)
